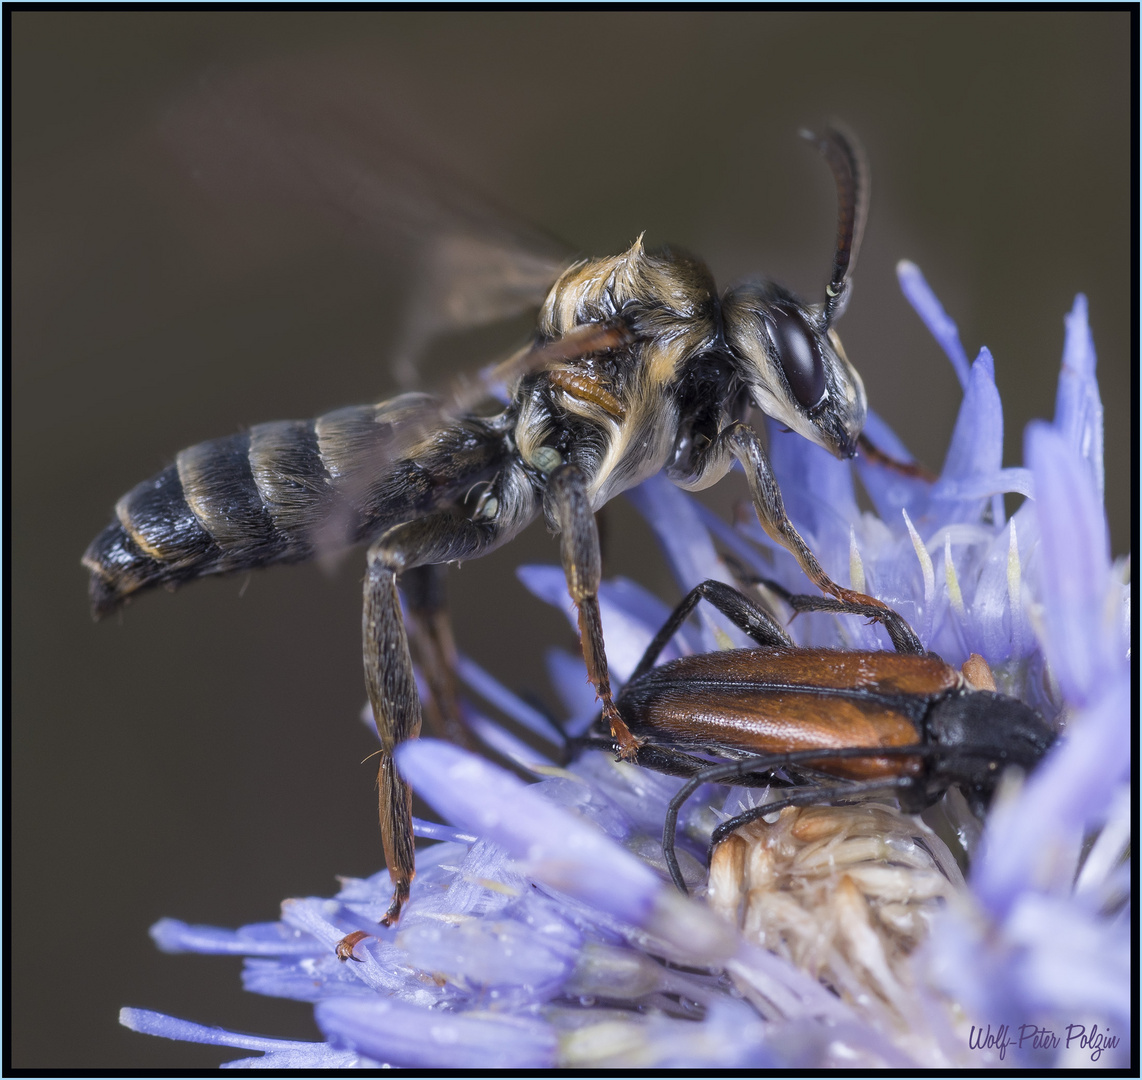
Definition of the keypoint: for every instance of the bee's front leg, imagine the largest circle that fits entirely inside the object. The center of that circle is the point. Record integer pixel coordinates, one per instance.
(746, 446)
(568, 507)
(740, 441)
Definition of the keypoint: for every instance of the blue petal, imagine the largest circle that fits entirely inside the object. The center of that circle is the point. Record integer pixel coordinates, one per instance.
(485, 884)
(733, 539)
(976, 449)
(496, 737)
(919, 294)
(147, 1022)
(257, 939)
(1078, 407)
(549, 583)
(561, 850)
(1073, 964)
(593, 804)
(678, 525)
(988, 628)
(1082, 642)
(1024, 841)
(505, 960)
(305, 981)
(495, 693)
(322, 1056)
(631, 614)
(1013, 481)
(891, 490)
(409, 1037)
(568, 675)
(433, 830)
(638, 613)
(640, 794)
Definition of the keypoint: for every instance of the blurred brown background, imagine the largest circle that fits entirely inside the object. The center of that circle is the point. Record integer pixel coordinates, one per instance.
(199, 757)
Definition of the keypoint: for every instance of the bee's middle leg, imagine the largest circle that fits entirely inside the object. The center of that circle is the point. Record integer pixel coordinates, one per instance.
(569, 508)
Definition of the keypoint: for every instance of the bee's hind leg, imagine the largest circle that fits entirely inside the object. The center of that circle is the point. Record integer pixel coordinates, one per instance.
(391, 684)
(433, 649)
(426, 542)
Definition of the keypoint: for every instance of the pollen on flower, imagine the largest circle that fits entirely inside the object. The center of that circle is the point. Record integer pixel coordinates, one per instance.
(953, 582)
(844, 893)
(1015, 589)
(924, 559)
(856, 566)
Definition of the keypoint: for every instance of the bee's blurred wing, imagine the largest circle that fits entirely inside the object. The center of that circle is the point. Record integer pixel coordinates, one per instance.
(331, 139)
(419, 419)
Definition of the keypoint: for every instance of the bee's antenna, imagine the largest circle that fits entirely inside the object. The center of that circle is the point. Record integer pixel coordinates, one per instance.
(846, 158)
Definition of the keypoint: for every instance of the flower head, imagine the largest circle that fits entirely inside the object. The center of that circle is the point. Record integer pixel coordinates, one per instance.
(542, 930)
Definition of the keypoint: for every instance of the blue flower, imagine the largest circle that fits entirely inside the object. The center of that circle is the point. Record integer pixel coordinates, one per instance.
(542, 931)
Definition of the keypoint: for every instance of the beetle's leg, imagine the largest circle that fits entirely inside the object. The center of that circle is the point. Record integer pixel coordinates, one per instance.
(836, 795)
(832, 795)
(748, 767)
(738, 608)
(569, 509)
(438, 538)
(743, 767)
(433, 649)
(903, 637)
(662, 759)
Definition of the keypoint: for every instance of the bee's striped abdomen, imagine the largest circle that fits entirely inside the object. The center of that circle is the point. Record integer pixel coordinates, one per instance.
(279, 491)
(202, 515)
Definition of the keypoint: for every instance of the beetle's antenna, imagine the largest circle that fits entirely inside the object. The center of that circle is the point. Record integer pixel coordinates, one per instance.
(846, 158)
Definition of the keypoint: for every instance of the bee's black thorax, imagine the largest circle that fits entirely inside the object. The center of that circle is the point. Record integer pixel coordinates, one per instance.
(617, 416)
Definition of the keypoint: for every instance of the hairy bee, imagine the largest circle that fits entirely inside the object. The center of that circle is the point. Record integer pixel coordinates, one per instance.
(638, 364)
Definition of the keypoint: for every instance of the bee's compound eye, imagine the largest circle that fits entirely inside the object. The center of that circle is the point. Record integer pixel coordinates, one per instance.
(799, 352)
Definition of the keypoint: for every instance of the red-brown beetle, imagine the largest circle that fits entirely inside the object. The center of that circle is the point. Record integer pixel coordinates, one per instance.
(839, 725)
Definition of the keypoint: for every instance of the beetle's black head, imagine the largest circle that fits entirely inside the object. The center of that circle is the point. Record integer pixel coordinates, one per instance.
(982, 733)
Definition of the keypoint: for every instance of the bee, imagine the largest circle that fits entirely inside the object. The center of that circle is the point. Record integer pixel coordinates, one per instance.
(638, 364)
(834, 726)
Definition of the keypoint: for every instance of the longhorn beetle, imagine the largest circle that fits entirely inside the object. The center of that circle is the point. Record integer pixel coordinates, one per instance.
(841, 725)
